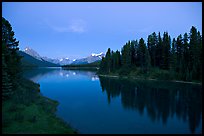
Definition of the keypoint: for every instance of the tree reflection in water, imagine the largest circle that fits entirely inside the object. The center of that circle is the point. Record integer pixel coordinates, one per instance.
(161, 99)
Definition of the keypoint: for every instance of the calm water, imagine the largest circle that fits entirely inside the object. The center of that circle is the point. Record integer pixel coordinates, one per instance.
(93, 104)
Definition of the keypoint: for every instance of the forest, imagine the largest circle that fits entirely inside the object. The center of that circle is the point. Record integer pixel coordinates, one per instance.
(160, 58)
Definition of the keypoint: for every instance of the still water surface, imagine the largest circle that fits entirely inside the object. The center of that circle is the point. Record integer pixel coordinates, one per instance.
(93, 104)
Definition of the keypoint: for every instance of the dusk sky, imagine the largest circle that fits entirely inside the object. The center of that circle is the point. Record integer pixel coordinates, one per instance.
(75, 30)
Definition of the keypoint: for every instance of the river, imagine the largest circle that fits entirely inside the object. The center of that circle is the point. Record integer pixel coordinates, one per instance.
(102, 105)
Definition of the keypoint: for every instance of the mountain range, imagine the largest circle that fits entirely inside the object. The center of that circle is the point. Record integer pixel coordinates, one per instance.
(63, 61)
(30, 61)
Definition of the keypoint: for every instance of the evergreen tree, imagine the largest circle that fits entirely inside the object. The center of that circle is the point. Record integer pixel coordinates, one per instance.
(132, 53)
(118, 59)
(173, 61)
(126, 55)
(165, 58)
(194, 51)
(102, 66)
(144, 58)
(186, 75)
(200, 56)
(151, 44)
(179, 53)
(9, 54)
(159, 51)
(108, 60)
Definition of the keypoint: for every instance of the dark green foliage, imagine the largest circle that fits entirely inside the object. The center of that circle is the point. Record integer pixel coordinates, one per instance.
(11, 69)
(152, 42)
(6, 82)
(27, 111)
(126, 55)
(106, 65)
(108, 60)
(195, 50)
(165, 58)
(159, 51)
(118, 59)
(180, 58)
(143, 55)
(102, 65)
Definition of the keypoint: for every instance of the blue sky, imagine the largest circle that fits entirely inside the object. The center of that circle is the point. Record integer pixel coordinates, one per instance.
(75, 30)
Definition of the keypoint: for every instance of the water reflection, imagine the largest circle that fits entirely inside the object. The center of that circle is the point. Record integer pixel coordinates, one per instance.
(38, 73)
(162, 100)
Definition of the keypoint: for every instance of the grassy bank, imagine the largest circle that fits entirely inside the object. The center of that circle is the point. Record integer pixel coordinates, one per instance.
(29, 112)
(152, 74)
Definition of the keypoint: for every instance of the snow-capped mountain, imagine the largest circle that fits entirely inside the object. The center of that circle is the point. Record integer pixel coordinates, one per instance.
(92, 58)
(65, 61)
(32, 53)
(56, 61)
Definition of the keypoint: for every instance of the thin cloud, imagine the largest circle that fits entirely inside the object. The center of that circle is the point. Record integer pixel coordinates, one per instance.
(75, 26)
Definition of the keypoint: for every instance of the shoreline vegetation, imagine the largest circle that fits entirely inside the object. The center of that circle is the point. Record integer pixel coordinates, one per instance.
(140, 78)
(29, 112)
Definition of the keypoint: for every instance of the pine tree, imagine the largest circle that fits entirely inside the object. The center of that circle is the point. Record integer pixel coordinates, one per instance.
(102, 67)
(151, 44)
(118, 59)
(132, 53)
(159, 51)
(173, 61)
(9, 49)
(108, 60)
(165, 58)
(144, 58)
(194, 51)
(200, 56)
(126, 55)
(185, 59)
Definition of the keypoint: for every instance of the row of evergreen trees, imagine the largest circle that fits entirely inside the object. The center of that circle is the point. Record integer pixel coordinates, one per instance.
(182, 56)
(10, 60)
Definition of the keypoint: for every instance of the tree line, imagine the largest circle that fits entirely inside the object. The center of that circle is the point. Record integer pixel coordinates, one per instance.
(181, 56)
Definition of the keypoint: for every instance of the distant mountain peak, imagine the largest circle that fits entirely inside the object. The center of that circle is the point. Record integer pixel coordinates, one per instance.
(32, 53)
(94, 54)
(92, 58)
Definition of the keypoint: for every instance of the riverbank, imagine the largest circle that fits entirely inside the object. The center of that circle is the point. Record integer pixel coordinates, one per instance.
(28, 112)
(143, 78)
(81, 68)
